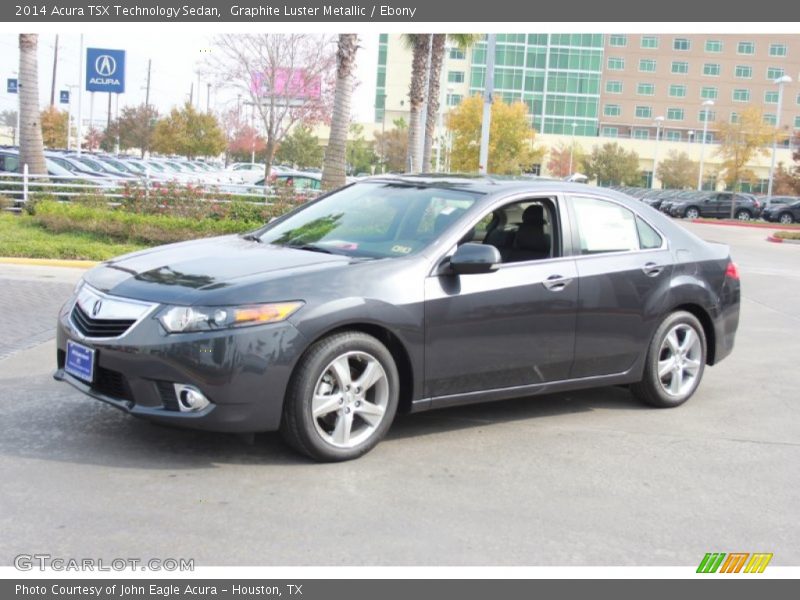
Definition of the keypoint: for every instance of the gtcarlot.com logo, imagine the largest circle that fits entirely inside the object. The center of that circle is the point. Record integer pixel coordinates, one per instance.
(29, 562)
(735, 562)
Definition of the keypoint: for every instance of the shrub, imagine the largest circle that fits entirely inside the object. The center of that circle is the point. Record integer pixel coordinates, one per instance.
(787, 235)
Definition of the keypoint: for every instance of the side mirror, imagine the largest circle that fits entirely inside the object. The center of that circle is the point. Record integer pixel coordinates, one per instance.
(470, 259)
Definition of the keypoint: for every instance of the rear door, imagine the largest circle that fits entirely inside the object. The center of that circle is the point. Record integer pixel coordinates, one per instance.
(624, 268)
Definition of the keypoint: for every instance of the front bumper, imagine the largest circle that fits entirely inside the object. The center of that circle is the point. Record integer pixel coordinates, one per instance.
(243, 372)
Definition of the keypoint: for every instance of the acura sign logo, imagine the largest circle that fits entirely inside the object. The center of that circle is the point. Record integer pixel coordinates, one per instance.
(96, 308)
(105, 65)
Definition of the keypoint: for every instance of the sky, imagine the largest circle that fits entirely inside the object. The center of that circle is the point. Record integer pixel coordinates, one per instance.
(176, 58)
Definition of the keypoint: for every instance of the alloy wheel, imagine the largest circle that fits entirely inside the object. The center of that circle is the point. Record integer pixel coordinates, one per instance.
(786, 218)
(679, 360)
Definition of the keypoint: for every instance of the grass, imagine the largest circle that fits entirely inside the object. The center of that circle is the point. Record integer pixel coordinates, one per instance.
(787, 235)
(21, 237)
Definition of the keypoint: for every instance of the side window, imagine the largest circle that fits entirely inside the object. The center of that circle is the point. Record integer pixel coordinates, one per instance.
(521, 231)
(604, 226)
(648, 237)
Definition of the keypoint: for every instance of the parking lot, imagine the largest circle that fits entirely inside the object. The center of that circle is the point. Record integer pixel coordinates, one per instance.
(583, 478)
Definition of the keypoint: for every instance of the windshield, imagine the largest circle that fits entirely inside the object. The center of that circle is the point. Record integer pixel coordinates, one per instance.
(372, 219)
(156, 167)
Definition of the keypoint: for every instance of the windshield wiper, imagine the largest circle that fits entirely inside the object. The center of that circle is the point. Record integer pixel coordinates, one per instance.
(250, 237)
(310, 248)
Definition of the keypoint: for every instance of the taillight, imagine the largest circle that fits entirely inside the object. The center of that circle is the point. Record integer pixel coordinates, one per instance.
(732, 271)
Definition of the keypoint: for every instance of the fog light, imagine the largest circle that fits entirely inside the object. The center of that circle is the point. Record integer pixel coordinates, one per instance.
(190, 399)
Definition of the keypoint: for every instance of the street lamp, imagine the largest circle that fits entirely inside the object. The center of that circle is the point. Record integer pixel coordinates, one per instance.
(780, 82)
(572, 147)
(707, 103)
(659, 120)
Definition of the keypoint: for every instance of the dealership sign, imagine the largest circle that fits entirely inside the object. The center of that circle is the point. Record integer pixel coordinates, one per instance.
(63, 96)
(105, 70)
(12, 85)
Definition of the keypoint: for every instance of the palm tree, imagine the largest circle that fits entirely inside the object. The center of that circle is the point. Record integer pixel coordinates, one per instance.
(31, 145)
(333, 168)
(463, 41)
(420, 50)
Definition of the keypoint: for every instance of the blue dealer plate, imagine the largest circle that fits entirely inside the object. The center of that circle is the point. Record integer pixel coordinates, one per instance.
(80, 361)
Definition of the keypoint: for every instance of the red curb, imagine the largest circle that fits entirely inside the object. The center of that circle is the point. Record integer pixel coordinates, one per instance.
(743, 224)
(774, 240)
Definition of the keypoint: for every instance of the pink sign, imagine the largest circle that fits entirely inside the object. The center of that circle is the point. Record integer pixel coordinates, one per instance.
(289, 83)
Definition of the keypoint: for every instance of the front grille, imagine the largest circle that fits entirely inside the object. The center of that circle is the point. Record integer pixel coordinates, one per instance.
(112, 384)
(166, 390)
(99, 328)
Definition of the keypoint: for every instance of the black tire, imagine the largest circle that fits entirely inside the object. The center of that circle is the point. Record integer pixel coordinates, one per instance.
(651, 389)
(300, 428)
(785, 218)
(743, 215)
(692, 212)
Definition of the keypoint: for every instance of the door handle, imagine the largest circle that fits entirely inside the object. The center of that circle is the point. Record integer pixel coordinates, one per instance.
(651, 269)
(556, 283)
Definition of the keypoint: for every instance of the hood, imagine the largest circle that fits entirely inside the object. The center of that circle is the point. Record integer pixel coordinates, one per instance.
(189, 272)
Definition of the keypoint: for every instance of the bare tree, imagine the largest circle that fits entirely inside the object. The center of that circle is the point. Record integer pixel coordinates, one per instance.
(287, 78)
(31, 145)
(333, 169)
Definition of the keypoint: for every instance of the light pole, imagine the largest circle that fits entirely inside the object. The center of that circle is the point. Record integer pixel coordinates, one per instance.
(659, 120)
(780, 82)
(707, 104)
(572, 147)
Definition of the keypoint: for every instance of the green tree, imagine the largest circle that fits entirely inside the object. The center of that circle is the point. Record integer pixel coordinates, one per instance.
(360, 155)
(300, 148)
(54, 127)
(677, 171)
(391, 147)
(740, 143)
(511, 136)
(333, 171)
(610, 164)
(136, 126)
(188, 133)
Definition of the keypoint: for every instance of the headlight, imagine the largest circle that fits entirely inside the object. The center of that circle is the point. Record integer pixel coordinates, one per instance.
(180, 319)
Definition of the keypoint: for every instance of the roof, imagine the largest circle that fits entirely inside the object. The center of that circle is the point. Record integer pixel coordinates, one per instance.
(485, 184)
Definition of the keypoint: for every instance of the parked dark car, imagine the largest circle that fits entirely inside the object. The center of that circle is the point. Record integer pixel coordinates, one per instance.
(717, 205)
(773, 201)
(783, 213)
(402, 294)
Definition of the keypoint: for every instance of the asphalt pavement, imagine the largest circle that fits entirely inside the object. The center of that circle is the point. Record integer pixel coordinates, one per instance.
(586, 478)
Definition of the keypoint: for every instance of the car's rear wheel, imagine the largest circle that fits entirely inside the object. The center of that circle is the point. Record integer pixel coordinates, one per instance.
(692, 213)
(786, 218)
(342, 398)
(743, 215)
(675, 362)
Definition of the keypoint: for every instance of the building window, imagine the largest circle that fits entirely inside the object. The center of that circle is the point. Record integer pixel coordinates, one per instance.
(612, 110)
(645, 89)
(746, 48)
(770, 119)
(707, 116)
(709, 93)
(618, 40)
(770, 97)
(734, 117)
(672, 136)
(774, 73)
(616, 64)
(649, 41)
(741, 95)
(681, 44)
(797, 122)
(641, 134)
(610, 132)
(613, 87)
(457, 54)
(798, 100)
(714, 46)
(454, 99)
(675, 114)
(711, 69)
(644, 112)
(677, 90)
(680, 66)
(777, 49)
(647, 65)
(455, 76)
(743, 72)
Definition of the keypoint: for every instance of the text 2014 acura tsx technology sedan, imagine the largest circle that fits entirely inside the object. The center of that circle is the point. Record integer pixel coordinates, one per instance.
(402, 294)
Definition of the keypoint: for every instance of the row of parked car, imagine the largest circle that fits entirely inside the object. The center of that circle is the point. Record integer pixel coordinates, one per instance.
(693, 204)
(108, 171)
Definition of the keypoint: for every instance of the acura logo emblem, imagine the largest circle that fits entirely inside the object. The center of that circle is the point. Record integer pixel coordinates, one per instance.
(96, 308)
(105, 65)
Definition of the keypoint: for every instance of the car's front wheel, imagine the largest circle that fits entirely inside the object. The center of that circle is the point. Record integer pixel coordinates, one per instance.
(744, 215)
(692, 213)
(342, 398)
(675, 361)
(786, 218)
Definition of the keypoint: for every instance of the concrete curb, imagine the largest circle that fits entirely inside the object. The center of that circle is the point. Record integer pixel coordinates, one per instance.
(777, 240)
(744, 224)
(48, 262)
